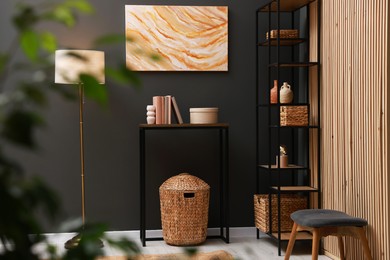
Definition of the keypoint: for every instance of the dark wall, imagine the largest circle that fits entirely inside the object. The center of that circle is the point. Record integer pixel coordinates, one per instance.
(111, 136)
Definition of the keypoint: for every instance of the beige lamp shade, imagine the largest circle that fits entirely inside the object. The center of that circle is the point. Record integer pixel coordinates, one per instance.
(69, 64)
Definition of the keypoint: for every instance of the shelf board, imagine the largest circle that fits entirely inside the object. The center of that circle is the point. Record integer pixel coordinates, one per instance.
(295, 188)
(293, 64)
(285, 236)
(285, 5)
(290, 167)
(179, 126)
(283, 42)
(294, 126)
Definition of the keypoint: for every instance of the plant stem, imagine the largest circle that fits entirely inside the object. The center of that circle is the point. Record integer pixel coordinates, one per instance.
(11, 54)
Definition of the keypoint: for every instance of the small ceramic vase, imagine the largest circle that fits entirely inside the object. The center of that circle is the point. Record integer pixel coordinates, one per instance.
(286, 94)
(274, 93)
(283, 161)
(151, 114)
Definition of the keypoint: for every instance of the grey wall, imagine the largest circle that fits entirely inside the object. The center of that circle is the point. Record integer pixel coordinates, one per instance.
(111, 136)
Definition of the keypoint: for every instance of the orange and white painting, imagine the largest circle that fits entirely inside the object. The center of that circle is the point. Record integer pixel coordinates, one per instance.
(177, 38)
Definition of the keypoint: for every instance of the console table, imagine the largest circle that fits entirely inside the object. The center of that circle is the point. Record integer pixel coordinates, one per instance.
(223, 130)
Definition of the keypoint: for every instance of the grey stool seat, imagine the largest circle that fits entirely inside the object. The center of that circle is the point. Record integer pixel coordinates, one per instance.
(325, 217)
(325, 222)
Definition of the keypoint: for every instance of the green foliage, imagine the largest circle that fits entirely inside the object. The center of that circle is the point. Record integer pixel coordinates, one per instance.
(24, 84)
(94, 90)
(29, 41)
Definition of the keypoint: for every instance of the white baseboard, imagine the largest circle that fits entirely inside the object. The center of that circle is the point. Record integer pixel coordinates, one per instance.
(233, 232)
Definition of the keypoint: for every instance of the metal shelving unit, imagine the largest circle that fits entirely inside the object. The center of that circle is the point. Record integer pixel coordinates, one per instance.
(284, 57)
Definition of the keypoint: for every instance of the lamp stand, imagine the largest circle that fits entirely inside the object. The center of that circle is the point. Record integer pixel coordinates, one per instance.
(74, 242)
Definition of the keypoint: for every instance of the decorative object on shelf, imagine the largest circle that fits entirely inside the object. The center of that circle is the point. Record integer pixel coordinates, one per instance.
(69, 66)
(204, 115)
(151, 114)
(286, 94)
(294, 116)
(180, 38)
(184, 204)
(284, 34)
(274, 93)
(289, 203)
(283, 157)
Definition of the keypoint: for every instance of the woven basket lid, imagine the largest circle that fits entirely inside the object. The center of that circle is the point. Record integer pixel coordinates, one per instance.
(184, 182)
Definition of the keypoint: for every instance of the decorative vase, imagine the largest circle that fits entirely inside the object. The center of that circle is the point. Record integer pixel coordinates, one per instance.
(274, 93)
(286, 94)
(151, 114)
(283, 161)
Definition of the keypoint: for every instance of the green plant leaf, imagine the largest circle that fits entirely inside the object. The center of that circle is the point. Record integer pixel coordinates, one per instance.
(3, 61)
(63, 15)
(48, 41)
(25, 17)
(110, 39)
(81, 5)
(19, 125)
(94, 90)
(29, 42)
(124, 76)
(34, 94)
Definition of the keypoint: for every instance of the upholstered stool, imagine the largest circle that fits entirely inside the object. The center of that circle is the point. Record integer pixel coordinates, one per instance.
(324, 222)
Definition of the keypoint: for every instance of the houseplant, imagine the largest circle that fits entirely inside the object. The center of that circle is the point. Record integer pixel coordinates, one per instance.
(26, 70)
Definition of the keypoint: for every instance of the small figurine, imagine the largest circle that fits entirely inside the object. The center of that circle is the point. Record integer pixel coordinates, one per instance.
(151, 114)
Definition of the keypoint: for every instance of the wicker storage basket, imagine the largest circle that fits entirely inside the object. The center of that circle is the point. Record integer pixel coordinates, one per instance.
(294, 116)
(284, 34)
(288, 204)
(184, 205)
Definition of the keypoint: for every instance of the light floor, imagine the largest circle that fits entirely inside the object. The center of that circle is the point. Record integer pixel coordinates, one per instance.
(243, 245)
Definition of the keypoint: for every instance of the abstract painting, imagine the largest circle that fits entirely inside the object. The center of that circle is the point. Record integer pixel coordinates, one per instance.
(177, 38)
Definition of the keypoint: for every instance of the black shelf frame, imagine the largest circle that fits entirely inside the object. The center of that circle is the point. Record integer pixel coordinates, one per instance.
(277, 7)
(223, 131)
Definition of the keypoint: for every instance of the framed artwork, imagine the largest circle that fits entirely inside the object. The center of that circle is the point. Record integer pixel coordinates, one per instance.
(177, 38)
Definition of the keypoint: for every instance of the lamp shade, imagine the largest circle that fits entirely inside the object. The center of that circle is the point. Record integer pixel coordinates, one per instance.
(69, 64)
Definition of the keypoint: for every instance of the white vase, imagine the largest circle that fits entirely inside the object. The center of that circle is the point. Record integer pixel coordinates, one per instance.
(286, 94)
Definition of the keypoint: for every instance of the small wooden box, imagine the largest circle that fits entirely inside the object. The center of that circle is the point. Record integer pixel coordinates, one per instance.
(285, 34)
(294, 116)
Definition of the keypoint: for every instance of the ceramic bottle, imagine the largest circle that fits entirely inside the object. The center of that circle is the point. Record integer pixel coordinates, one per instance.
(274, 93)
(286, 94)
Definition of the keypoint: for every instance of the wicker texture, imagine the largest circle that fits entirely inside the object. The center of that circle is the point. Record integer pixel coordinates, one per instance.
(284, 34)
(289, 203)
(294, 116)
(184, 204)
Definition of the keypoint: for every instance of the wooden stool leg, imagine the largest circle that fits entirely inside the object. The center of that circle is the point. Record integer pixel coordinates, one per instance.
(363, 239)
(316, 243)
(341, 247)
(291, 242)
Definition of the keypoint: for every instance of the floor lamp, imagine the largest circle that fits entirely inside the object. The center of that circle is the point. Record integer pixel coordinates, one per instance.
(69, 65)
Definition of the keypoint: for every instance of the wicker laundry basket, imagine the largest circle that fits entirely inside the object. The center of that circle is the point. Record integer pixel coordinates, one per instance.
(289, 203)
(184, 205)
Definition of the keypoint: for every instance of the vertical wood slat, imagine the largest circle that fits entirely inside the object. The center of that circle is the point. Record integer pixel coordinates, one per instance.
(355, 114)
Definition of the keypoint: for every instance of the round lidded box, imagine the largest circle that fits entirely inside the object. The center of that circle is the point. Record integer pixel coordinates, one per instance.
(204, 115)
(184, 205)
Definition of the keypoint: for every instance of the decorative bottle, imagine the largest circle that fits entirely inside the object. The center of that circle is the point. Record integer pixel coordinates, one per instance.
(274, 93)
(286, 94)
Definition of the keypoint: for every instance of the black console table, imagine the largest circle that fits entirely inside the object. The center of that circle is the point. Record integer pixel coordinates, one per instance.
(223, 130)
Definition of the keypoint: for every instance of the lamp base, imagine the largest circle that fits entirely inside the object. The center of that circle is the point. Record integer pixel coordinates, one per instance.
(74, 242)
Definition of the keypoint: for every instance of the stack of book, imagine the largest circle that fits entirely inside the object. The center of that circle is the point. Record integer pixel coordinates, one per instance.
(165, 107)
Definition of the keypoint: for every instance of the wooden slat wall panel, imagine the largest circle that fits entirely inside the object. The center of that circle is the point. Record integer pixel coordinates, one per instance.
(354, 118)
